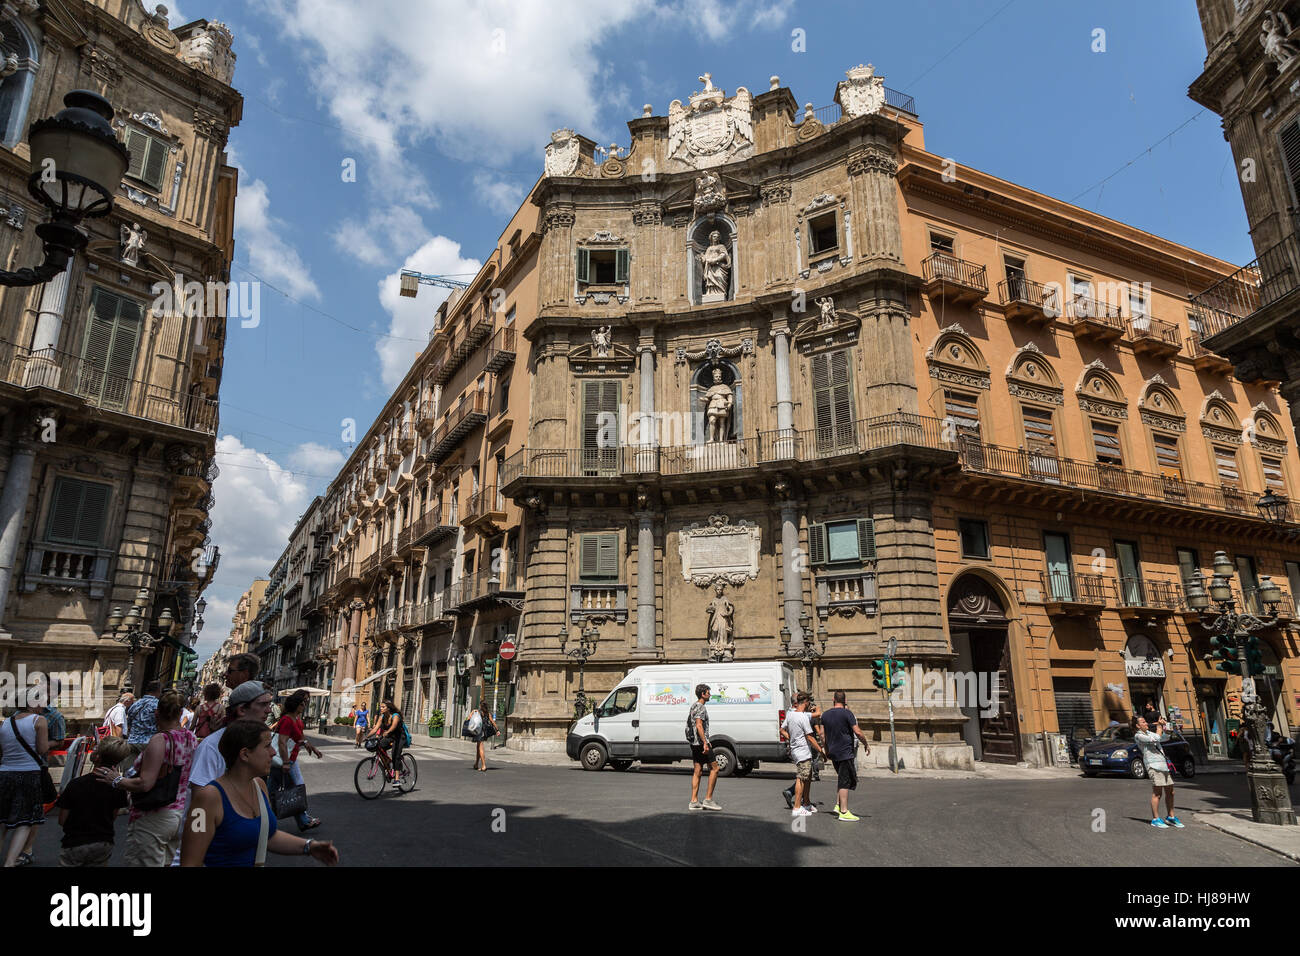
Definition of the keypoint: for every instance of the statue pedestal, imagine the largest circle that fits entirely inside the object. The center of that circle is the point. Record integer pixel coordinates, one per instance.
(716, 454)
(710, 297)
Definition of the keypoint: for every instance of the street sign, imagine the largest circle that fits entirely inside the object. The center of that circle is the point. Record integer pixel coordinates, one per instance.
(507, 649)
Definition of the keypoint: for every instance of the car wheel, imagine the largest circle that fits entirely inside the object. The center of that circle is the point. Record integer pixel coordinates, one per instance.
(725, 758)
(1187, 768)
(592, 756)
(1137, 769)
(1090, 773)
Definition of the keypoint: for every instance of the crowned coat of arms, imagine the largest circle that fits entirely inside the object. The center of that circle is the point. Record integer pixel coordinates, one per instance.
(862, 93)
(711, 129)
(562, 153)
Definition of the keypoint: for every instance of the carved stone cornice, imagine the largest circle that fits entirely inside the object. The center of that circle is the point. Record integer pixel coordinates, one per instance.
(557, 218)
(955, 376)
(1171, 423)
(647, 216)
(1214, 433)
(1045, 395)
(874, 159)
(774, 193)
(1105, 408)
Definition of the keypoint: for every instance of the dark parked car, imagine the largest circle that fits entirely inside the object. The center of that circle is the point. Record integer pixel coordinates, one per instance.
(1115, 751)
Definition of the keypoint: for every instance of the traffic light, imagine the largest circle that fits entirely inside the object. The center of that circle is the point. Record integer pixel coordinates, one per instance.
(1254, 656)
(896, 678)
(1224, 650)
(878, 668)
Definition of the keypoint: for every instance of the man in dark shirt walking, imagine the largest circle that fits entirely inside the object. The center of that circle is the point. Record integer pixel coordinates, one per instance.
(839, 727)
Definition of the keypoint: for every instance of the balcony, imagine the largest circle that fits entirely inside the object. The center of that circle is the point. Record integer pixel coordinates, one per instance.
(1204, 360)
(1030, 302)
(405, 440)
(461, 340)
(602, 602)
(425, 420)
(1092, 319)
(956, 280)
(66, 568)
(63, 372)
(369, 565)
(1155, 338)
(505, 586)
(404, 541)
(392, 453)
(388, 554)
(1145, 598)
(1270, 278)
(1067, 594)
(846, 592)
(486, 509)
(500, 350)
(429, 528)
(463, 417)
(1049, 472)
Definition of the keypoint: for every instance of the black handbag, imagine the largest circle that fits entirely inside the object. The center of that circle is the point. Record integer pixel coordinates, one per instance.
(49, 793)
(165, 789)
(287, 798)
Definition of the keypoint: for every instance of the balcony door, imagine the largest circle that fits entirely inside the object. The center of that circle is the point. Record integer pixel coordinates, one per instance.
(1040, 442)
(1130, 572)
(833, 402)
(1060, 582)
(108, 351)
(600, 432)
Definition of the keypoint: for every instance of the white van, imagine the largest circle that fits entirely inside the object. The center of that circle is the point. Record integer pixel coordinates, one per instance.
(644, 717)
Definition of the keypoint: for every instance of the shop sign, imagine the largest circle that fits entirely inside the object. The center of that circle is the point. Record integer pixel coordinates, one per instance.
(1154, 668)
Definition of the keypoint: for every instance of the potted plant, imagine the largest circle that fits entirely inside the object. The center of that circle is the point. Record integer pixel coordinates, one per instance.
(436, 720)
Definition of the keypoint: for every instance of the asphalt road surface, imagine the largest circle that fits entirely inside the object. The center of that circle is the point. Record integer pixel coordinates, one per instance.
(518, 814)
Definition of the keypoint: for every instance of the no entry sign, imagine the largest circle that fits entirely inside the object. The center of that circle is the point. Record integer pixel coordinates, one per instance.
(507, 650)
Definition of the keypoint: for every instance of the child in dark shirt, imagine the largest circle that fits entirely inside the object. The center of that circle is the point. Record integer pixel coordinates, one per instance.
(87, 808)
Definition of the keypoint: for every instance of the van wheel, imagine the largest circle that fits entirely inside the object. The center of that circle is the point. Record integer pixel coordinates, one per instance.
(743, 768)
(592, 756)
(725, 758)
(621, 764)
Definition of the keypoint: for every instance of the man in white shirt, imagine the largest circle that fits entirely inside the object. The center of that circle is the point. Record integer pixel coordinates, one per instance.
(115, 719)
(798, 729)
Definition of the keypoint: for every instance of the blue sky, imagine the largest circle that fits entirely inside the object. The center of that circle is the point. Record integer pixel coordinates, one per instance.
(445, 107)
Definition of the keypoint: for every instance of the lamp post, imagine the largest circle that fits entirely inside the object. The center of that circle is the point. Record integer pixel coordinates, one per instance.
(807, 651)
(1232, 634)
(585, 648)
(126, 629)
(77, 164)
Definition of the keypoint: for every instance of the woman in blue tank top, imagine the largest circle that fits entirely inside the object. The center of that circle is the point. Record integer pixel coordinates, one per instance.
(225, 819)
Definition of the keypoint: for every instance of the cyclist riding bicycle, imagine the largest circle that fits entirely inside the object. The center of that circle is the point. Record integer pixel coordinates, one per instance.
(388, 728)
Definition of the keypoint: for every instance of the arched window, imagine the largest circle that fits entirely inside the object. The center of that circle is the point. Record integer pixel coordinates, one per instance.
(701, 382)
(18, 61)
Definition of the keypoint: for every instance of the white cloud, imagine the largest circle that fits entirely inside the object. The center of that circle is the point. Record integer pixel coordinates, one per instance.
(499, 194)
(316, 459)
(383, 237)
(270, 255)
(413, 318)
(258, 501)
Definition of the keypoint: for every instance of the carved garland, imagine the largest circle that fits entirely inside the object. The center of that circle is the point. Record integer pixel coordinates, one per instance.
(1105, 408)
(1044, 395)
(1170, 423)
(714, 351)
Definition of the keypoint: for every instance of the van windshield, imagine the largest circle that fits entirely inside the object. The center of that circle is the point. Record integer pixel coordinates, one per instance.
(622, 701)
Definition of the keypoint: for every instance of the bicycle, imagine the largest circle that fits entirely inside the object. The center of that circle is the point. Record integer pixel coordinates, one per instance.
(372, 773)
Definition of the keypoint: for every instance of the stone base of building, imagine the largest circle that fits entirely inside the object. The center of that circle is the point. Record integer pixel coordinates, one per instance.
(933, 756)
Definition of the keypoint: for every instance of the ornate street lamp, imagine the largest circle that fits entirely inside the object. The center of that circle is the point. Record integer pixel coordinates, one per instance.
(1273, 508)
(77, 164)
(807, 651)
(126, 629)
(1270, 801)
(585, 648)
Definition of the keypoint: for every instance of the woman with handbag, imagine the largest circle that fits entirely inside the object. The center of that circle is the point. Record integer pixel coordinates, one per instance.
(158, 784)
(231, 821)
(25, 783)
(289, 732)
(482, 732)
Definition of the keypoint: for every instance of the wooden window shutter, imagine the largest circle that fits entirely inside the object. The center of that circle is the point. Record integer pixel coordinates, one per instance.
(584, 265)
(94, 511)
(842, 385)
(155, 162)
(607, 557)
(817, 543)
(137, 144)
(1290, 137)
(77, 512)
(126, 333)
(621, 265)
(99, 332)
(867, 539)
(822, 399)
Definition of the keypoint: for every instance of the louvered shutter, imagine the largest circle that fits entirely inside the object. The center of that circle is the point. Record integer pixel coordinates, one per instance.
(77, 512)
(137, 145)
(823, 402)
(843, 397)
(867, 539)
(155, 162)
(607, 557)
(817, 543)
(94, 509)
(1290, 137)
(599, 412)
(1168, 461)
(589, 556)
(121, 354)
(621, 265)
(584, 265)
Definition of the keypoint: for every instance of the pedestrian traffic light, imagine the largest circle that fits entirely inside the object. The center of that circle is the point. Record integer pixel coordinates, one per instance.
(1224, 651)
(878, 668)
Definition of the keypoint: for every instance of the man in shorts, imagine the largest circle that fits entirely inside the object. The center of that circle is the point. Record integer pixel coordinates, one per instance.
(1153, 755)
(839, 727)
(697, 735)
(798, 729)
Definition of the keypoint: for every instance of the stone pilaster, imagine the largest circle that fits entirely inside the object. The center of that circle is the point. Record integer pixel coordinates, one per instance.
(907, 576)
(875, 198)
(884, 360)
(646, 276)
(556, 256)
(778, 220)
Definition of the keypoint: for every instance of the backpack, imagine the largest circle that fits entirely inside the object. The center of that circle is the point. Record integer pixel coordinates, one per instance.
(406, 734)
(691, 737)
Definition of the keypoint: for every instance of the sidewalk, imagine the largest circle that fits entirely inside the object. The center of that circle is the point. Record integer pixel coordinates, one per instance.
(1236, 822)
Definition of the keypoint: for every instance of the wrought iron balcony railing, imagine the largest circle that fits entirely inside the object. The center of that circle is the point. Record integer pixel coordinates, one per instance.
(1233, 299)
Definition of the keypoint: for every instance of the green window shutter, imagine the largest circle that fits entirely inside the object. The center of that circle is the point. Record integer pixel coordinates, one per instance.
(137, 145)
(817, 543)
(607, 557)
(77, 512)
(843, 390)
(867, 539)
(94, 510)
(155, 162)
(822, 399)
(621, 265)
(584, 265)
(1290, 137)
(588, 555)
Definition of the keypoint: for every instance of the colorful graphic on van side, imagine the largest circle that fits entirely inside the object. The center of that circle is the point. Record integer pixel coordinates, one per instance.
(758, 692)
(661, 693)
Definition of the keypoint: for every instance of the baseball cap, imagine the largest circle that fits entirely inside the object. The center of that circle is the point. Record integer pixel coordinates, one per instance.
(246, 693)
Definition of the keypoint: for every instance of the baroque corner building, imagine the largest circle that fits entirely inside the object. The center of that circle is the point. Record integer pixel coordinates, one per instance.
(797, 381)
(109, 388)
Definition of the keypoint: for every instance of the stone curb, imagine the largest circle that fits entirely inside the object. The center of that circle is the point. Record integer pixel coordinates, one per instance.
(1232, 823)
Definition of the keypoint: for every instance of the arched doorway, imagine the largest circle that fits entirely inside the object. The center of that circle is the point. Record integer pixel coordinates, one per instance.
(979, 629)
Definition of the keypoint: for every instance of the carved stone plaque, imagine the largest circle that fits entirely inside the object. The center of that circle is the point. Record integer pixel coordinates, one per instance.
(719, 551)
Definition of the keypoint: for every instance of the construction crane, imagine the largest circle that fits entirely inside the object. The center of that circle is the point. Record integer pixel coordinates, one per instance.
(411, 282)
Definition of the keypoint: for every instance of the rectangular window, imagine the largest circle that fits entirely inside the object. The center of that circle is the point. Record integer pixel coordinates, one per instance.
(939, 243)
(1040, 431)
(599, 427)
(842, 541)
(974, 538)
(108, 349)
(962, 410)
(1130, 573)
(1168, 462)
(1105, 443)
(78, 511)
(1060, 578)
(1079, 286)
(822, 234)
(148, 157)
(1249, 579)
(510, 315)
(598, 557)
(1194, 325)
(1189, 562)
(604, 266)
(1225, 460)
(833, 401)
(1293, 577)
(1138, 306)
(1289, 136)
(1014, 267)
(1273, 480)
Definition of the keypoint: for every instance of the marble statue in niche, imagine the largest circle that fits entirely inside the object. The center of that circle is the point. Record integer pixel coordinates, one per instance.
(721, 613)
(718, 401)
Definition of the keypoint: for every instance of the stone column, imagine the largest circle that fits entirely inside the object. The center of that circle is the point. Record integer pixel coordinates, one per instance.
(43, 368)
(648, 429)
(556, 258)
(13, 507)
(645, 584)
(784, 401)
(778, 221)
(875, 197)
(399, 662)
(791, 578)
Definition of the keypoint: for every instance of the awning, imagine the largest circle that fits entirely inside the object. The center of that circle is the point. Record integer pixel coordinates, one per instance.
(375, 676)
(179, 645)
(313, 691)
